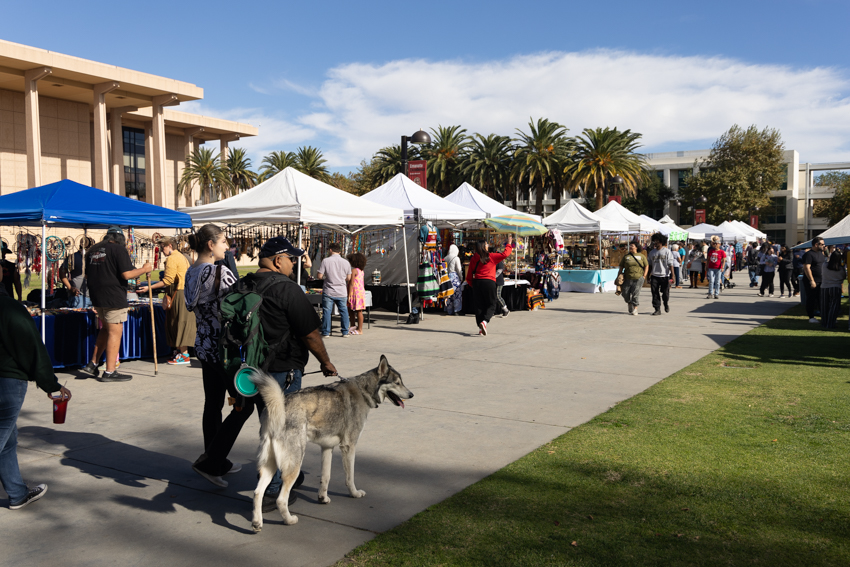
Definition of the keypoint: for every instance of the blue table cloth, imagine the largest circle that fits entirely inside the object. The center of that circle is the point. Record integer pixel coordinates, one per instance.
(588, 280)
(70, 336)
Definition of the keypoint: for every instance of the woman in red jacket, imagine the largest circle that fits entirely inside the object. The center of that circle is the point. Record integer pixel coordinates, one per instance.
(481, 275)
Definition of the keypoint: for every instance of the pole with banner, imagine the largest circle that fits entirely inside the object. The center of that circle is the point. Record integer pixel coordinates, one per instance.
(754, 221)
(699, 216)
(417, 172)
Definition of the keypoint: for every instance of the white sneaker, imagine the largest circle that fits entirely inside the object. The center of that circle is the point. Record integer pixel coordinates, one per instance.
(813, 320)
(634, 312)
(770, 295)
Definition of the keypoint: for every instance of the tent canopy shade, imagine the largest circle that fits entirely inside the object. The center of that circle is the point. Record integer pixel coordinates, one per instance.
(572, 217)
(71, 204)
(291, 196)
(744, 236)
(747, 229)
(403, 193)
(837, 234)
(468, 196)
(710, 230)
(614, 211)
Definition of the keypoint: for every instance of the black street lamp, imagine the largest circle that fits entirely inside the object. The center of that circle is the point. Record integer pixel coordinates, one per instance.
(615, 180)
(420, 137)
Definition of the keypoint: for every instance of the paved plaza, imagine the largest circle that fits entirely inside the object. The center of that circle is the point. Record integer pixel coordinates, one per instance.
(122, 490)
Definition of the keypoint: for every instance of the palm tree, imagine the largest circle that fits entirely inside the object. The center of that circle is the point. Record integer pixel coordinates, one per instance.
(276, 162)
(386, 163)
(600, 155)
(538, 159)
(205, 169)
(488, 164)
(239, 169)
(309, 161)
(444, 155)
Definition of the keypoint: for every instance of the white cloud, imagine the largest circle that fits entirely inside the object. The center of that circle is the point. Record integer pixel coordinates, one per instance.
(666, 98)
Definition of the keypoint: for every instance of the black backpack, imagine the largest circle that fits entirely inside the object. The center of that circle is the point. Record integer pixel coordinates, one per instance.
(752, 256)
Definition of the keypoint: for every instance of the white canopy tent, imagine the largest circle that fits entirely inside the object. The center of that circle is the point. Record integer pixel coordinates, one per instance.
(664, 229)
(468, 196)
(709, 230)
(403, 193)
(614, 211)
(838, 234)
(677, 232)
(572, 217)
(291, 196)
(743, 236)
(747, 229)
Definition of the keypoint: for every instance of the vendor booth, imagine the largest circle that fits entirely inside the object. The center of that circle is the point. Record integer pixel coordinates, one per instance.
(73, 205)
(587, 270)
(837, 234)
(471, 198)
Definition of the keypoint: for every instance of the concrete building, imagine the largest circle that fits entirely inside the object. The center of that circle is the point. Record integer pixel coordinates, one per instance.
(62, 117)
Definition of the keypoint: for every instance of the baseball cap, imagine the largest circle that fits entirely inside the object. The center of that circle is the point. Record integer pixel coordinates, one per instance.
(115, 229)
(279, 245)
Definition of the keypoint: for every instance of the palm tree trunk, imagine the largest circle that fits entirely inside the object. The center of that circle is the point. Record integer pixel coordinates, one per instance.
(538, 208)
(513, 197)
(600, 194)
(557, 190)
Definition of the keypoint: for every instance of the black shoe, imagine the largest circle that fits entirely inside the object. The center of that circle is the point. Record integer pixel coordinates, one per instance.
(32, 495)
(413, 319)
(657, 312)
(270, 501)
(114, 377)
(91, 368)
(667, 309)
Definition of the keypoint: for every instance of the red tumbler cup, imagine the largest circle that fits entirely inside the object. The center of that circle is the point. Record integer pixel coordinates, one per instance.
(60, 406)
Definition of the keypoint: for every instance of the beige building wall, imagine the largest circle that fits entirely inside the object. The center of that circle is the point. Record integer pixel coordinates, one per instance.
(65, 138)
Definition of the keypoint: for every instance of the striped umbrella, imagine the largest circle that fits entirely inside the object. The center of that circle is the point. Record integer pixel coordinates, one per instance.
(520, 225)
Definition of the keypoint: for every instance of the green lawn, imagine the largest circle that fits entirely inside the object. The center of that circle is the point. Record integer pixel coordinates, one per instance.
(712, 466)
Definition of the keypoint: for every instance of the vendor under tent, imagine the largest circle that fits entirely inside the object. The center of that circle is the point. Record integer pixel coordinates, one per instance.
(70, 204)
(572, 218)
(401, 192)
(743, 236)
(468, 196)
(838, 234)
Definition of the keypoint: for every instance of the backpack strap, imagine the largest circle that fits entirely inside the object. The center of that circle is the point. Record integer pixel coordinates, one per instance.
(278, 346)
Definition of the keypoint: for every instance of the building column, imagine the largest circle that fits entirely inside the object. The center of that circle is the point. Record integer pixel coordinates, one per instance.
(156, 163)
(33, 124)
(224, 147)
(148, 167)
(101, 149)
(188, 149)
(117, 131)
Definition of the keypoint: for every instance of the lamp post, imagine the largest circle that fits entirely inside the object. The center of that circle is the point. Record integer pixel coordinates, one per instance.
(420, 137)
(609, 181)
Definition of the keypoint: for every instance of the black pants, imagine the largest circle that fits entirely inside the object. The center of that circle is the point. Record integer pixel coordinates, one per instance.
(784, 281)
(219, 436)
(830, 306)
(485, 300)
(767, 282)
(812, 298)
(660, 287)
(795, 279)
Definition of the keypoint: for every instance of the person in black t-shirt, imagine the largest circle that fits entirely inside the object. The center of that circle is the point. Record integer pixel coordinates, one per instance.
(813, 262)
(11, 276)
(108, 268)
(72, 277)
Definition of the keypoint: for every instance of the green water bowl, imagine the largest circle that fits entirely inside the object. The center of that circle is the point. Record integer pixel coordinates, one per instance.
(243, 383)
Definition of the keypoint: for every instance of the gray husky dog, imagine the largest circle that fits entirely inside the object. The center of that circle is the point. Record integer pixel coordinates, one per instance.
(328, 415)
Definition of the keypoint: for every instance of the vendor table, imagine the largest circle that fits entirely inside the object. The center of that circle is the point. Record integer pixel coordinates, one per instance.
(70, 335)
(588, 281)
(315, 300)
(393, 297)
(514, 292)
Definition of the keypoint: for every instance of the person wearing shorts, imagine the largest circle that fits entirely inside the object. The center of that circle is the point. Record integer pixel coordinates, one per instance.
(108, 268)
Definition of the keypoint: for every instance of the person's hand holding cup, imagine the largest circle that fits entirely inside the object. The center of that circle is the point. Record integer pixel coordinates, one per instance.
(60, 404)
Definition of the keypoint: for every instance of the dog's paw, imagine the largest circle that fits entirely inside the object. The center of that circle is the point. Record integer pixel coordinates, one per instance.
(291, 520)
(324, 499)
(358, 493)
(257, 527)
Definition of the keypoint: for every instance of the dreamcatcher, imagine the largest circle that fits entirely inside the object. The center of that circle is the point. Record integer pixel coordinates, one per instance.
(28, 250)
(54, 252)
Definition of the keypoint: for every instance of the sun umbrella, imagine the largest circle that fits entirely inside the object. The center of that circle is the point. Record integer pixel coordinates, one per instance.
(516, 224)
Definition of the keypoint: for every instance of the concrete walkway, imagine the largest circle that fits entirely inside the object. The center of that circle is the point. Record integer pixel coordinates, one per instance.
(122, 490)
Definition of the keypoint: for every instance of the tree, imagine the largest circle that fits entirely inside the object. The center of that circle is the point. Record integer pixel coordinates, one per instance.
(386, 164)
(239, 169)
(309, 161)
(602, 154)
(205, 169)
(346, 183)
(445, 154)
(839, 206)
(487, 165)
(741, 171)
(539, 158)
(276, 162)
(651, 195)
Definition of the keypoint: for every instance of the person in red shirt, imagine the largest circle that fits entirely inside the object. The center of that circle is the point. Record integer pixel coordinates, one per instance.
(716, 259)
(481, 275)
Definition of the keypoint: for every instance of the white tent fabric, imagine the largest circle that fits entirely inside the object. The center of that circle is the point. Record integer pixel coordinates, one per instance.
(572, 217)
(743, 235)
(291, 196)
(838, 234)
(616, 212)
(710, 230)
(747, 229)
(401, 192)
(468, 196)
(666, 220)
(657, 226)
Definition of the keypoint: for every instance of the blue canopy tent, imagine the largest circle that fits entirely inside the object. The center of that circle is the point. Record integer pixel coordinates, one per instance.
(71, 204)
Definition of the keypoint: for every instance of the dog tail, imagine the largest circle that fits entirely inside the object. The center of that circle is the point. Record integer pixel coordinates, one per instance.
(272, 394)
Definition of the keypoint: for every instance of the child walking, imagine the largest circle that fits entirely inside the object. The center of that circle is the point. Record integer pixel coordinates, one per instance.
(357, 290)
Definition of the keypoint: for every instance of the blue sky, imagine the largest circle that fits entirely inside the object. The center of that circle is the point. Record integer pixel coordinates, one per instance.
(351, 77)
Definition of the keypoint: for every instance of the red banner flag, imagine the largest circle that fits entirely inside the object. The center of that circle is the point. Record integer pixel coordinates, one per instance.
(418, 172)
(699, 216)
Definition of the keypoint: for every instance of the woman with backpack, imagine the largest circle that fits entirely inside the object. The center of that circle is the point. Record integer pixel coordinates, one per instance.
(634, 268)
(206, 285)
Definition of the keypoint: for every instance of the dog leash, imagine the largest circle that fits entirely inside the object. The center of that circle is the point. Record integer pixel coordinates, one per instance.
(341, 379)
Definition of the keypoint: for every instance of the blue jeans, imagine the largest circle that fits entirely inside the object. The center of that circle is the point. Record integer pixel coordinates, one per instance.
(79, 302)
(678, 271)
(753, 272)
(328, 303)
(715, 279)
(12, 393)
(277, 482)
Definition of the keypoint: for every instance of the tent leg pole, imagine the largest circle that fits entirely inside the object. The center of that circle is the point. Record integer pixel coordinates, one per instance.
(406, 269)
(300, 231)
(43, 280)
